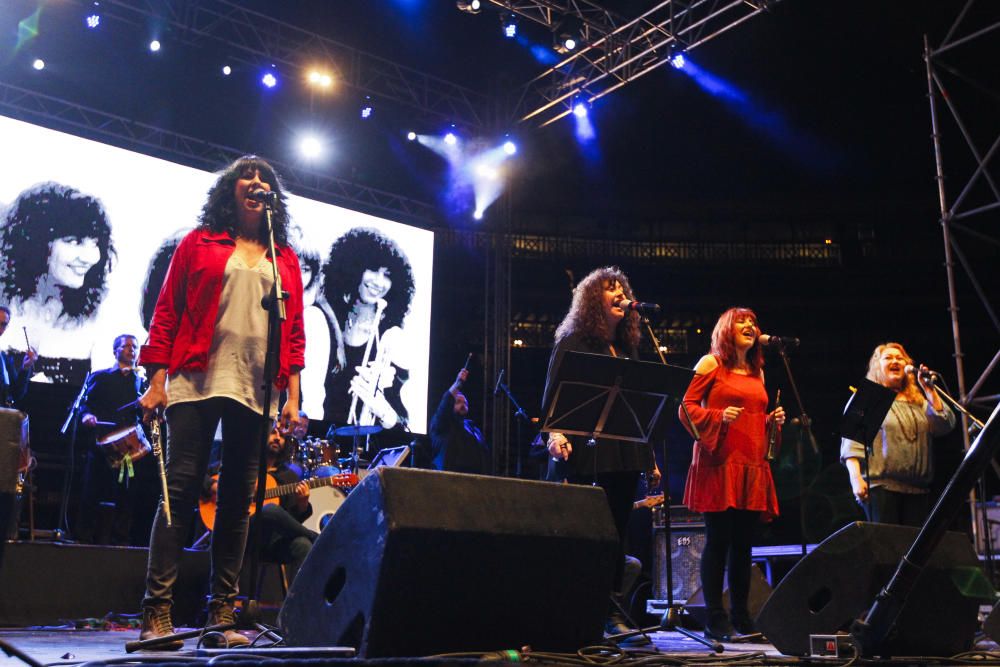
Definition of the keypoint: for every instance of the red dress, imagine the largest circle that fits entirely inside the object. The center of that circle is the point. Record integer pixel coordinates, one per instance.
(729, 467)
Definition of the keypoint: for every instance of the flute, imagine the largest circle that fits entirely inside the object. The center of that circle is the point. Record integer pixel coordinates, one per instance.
(156, 436)
(772, 432)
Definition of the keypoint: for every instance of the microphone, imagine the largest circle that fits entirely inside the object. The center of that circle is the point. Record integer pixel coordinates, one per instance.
(778, 341)
(263, 196)
(639, 307)
(926, 376)
(496, 389)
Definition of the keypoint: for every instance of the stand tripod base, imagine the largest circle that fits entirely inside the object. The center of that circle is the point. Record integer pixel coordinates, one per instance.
(670, 622)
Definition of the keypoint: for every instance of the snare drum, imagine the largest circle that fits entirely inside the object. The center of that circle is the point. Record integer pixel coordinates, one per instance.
(325, 501)
(128, 441)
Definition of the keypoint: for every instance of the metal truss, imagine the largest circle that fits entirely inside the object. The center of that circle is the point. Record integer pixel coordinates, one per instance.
(62, 115)
(969, 216)
(254, 38)
(616, 51)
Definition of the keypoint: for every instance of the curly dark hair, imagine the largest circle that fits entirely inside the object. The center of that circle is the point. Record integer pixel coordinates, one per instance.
(724, 347)
(219, 212)
(156, 275)
(586, 313)
(350, 255)
(39, 216)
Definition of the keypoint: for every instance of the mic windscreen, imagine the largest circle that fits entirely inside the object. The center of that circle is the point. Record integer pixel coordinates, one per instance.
(909, 370)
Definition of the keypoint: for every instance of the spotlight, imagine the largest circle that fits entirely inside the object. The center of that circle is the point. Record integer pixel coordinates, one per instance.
(310, 147)
(509, 147)
(677, 61)
(269, 80)
(565, 43)
(509, 24)
(580, 110)
(366, 108)
(226, 70)
(472, 7)
(320, 79)
(39, 64)
(477, 215)
(450, 139)
(154, 45)
(93, 21)
(411, 136)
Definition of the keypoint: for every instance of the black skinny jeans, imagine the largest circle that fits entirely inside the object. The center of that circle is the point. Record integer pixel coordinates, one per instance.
(728, 540)
(190, 431)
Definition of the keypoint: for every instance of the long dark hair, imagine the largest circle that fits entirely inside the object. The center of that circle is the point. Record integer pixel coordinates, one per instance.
(586, 314)
(39, 216)
(724, 347)
(219, 212)
(350, 255)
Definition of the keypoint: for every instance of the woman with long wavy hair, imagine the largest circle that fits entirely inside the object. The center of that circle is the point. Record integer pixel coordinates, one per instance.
(730, 480)
(57, 254)
(209, 336)
(900, 463)
(597, 323)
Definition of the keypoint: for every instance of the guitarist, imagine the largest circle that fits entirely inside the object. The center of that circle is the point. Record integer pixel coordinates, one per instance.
(286, 540)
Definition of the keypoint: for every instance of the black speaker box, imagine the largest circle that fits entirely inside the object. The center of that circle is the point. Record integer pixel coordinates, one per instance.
(420, 562)
(837, 583)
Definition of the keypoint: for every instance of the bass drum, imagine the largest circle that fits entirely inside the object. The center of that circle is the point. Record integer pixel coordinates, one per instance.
(325, 501)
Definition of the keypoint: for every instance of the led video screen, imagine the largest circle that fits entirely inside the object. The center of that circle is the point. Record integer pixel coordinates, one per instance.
(87, 232)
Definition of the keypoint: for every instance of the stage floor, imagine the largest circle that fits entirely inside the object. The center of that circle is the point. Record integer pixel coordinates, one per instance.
(51, 646)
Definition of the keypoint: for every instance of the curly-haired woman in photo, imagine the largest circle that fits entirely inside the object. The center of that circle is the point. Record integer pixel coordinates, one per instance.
(368, 284)
(57, 254)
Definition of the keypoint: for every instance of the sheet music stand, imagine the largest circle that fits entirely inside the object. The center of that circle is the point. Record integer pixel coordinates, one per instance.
(599, 396)
(863, 417)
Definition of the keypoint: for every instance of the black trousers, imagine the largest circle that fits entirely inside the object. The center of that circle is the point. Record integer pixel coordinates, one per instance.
(902, 509)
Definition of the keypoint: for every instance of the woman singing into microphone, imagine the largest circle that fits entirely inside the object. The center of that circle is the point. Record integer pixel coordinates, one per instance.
(900, 465)
(729, 479)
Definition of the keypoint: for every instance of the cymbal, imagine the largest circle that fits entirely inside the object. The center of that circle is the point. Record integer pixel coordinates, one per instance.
(355, 429)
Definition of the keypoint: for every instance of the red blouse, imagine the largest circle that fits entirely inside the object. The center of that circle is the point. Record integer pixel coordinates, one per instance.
(729, 467)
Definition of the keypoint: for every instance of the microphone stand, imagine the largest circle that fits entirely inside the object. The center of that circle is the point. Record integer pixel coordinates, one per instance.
(671, 616)
(522, 418)
(274, 304)
(805, 429)
(70, 424)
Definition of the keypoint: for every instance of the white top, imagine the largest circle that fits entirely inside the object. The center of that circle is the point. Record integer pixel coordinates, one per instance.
(236, 357)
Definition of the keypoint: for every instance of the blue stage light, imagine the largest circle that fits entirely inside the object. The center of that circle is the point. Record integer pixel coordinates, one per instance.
(450, 139)
(509, 26)
(93, 21)
(580, 110)
(269, 80)
(39, 64)
(678, 61)
(509, 147)
(227, 70)
(411, 136)
(154, 45)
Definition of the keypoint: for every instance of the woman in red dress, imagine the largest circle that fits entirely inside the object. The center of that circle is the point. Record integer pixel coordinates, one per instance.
(729, 479)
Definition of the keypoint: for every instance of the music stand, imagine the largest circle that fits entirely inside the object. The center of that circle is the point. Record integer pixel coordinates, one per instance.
(611, 397)
(863, 417)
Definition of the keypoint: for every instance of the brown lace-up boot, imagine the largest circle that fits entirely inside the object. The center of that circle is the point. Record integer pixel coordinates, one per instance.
(220, 612)
(156, 623)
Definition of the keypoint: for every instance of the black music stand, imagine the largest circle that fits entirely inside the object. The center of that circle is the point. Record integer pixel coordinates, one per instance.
(863, 417)
(611, 397)
(614, 398)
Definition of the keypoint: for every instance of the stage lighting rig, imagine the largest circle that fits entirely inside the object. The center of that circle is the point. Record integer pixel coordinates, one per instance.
(508, 23)
(565, 43)
(471, 7)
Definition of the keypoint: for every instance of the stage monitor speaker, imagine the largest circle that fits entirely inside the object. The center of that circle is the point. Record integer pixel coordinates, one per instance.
(420, 562)
(837, 583)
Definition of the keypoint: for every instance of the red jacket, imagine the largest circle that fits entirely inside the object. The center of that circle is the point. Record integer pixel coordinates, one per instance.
(184, 319)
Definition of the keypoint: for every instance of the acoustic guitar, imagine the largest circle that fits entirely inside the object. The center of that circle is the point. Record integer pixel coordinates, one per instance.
(273, 492)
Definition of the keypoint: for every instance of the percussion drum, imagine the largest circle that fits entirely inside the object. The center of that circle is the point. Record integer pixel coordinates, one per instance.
(15, 457)
(325, 500)
(127, 441)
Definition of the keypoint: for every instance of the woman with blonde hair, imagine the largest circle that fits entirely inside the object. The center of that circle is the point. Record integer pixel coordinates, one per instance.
(900, 465)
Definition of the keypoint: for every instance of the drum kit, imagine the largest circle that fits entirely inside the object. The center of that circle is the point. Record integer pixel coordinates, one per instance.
(321, 458)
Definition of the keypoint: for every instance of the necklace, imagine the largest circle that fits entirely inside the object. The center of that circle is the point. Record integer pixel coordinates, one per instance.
(910, 436)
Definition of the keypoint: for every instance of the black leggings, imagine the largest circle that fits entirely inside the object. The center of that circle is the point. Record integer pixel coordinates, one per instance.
(728, 538)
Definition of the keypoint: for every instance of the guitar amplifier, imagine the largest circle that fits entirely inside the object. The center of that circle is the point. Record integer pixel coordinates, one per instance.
(686, 543)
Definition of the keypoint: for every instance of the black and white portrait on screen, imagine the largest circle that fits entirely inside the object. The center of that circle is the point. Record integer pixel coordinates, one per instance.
(125, 242)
